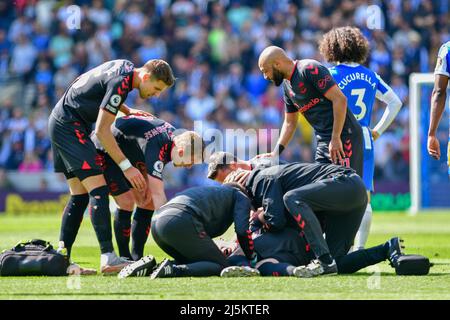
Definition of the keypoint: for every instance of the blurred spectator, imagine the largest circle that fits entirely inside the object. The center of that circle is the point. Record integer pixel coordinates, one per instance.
(99, 49)
(5, 44)
(213, 47)
(15, 157)
(98, 14)
(273, 106)
(61, 47)
(17, 124)
(41, 38)
(19, 28)
(151, 49)
(31, 163)
(200, 105)
(44, 74)
(64, 76)
(23, 56)
(255, 84)
(246, 113)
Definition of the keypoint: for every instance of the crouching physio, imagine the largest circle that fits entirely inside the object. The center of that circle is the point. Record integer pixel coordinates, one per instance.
(185, 226)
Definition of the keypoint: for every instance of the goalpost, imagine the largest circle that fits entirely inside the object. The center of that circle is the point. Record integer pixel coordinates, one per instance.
(429, 180)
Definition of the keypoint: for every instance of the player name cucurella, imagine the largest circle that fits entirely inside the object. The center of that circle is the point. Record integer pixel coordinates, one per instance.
(356, 76)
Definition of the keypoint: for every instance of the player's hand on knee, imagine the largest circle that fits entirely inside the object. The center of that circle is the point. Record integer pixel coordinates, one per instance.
(147, 200)
(141, 199)
(434, 149)
(136, 179)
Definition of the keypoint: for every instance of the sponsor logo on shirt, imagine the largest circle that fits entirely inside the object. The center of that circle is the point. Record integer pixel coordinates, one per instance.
(158, 130)
(309, 105)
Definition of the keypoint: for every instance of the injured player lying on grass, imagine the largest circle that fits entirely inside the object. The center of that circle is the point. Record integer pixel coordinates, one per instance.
(288, 244)
(286, 253)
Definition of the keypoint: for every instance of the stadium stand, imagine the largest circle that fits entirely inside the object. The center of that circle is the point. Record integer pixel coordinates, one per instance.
(213, 48)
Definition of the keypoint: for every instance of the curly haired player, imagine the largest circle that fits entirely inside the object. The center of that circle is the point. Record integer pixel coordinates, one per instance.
(348, 48)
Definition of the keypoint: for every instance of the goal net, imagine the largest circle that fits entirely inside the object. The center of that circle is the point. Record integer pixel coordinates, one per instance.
(429, 178)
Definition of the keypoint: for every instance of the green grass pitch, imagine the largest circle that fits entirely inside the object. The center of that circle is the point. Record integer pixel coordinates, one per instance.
(427, 234)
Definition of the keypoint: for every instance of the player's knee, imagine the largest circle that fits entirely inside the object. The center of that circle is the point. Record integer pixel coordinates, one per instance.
(289, 197)
(125, 201)
(80, 200)
(99, 197)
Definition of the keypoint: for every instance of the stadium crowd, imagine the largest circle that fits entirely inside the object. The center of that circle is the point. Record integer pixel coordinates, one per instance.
(213, 47)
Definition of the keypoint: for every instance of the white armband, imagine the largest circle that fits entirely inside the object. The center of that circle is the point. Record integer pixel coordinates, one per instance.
(125, 165)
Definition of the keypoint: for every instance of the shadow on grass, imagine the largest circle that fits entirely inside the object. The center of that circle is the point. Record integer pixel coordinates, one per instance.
(384, 274)
(440, 263)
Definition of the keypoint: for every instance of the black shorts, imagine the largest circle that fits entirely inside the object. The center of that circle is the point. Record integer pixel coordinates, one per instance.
(353, 147)
(115, 179)
(74, 153)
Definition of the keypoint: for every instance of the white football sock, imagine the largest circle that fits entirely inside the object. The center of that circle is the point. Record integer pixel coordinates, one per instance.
(364, 229)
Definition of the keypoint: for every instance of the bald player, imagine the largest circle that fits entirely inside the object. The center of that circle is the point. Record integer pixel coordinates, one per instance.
(310, 89)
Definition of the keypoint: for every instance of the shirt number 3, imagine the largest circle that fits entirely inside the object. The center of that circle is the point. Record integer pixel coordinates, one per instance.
(359, 102)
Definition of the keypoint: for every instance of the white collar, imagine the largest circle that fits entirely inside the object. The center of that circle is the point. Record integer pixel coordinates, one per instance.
(349, 64)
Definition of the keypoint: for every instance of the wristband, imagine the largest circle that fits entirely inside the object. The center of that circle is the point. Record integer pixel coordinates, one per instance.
(125, 165)
(278, 149)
